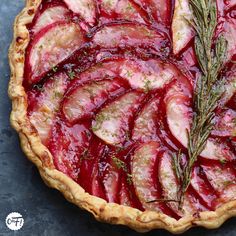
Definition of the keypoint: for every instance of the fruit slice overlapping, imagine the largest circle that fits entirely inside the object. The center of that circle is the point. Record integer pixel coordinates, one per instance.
(110, 93)
(49, 16)
(51, 46)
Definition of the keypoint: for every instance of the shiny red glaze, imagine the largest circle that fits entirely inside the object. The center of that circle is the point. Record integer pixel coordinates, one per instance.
(77, 151)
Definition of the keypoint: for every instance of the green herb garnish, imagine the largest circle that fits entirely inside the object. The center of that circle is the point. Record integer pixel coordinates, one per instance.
(71, 74)
(208, 89)
(121, 165)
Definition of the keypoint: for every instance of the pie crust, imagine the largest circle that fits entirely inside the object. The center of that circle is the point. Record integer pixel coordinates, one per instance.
(42, 158)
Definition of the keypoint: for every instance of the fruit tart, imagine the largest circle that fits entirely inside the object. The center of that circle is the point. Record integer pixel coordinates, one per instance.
(128, 107)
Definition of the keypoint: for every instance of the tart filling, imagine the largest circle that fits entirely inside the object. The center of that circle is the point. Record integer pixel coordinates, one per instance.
(110, 87)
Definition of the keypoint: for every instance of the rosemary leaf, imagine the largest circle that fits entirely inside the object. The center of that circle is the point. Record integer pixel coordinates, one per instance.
(208, 90)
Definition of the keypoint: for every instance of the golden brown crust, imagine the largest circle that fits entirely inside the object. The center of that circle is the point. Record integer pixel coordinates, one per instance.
(42, 158)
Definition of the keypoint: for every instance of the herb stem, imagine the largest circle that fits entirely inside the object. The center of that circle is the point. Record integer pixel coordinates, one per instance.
(207, 92)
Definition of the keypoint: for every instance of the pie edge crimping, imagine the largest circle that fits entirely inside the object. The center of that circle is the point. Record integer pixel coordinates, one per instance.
(42, 158)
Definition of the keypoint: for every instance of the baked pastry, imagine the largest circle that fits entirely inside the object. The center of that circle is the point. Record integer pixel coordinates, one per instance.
(102, 95)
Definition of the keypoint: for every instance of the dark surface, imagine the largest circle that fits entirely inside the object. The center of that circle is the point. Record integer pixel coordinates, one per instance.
(45, 211)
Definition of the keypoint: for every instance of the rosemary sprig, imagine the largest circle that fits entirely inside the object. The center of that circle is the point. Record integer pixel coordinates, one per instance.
(207, 92)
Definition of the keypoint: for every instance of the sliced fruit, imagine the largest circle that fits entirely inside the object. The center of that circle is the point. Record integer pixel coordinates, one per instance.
(124, 9)
(230, 34)
(109, 68)
(179, 115)
(83, 100)
(50, 47)
(225, 123)
(85, 8)
(97, 187)
(132, 35)
(229, 88)
(202, 188)
(158, 9)
(49, 16)
(182, 32)
(111, 183)
(170, 187)
(145, 128)
(124, 198)
(178, 112)
(223, 180)
(67, 146)
(111, 124)
(145, 75)
(148, 75)
(224, 6)
(47, 104)
(89, 177)
(144, 175)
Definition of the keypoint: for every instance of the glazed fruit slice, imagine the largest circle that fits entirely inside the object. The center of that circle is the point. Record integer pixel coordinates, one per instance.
(83, 101)
(67, 145)
(225, 123)
(89, 176)
(148, 75)
(85, 8)
(178, 112)
(51, 46)
(111, 124)
(222, 179)
(144, 166)
(202, 187)
(170, 187)
(145, 75)
(49, 16)
(110, 177)
(181, 30)
(45, 105)
(230, 33)
(159, 10)
(145, 128)
(131, 35)
(123, 9)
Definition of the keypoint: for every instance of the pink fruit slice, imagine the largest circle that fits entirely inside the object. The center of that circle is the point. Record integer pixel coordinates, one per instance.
(89, 177)
(111, 180)
(50, 47)
(47, 104)
(179, 115)
(83, 100)
(143, 75)
(67, 146)
(97, 187)
(128, 35)
(124, 9)
(202, 188)
(50, 16)
(229, 88)
(170, 186)
(159, 9)
(124, 198)
(225, 123)
(111, 124)
(230, 34)
(144, 175)
(85, 8)
(182, 32)
(178, 112)
(223, 180)
(145, 128)
(148, 75)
